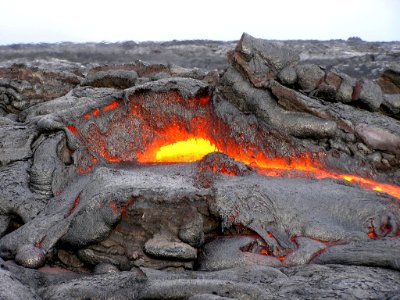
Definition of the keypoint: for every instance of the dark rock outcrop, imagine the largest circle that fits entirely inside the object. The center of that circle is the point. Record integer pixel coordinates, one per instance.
(118, 79)
(22, 87)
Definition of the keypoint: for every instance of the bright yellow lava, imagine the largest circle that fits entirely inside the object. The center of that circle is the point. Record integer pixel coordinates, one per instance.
(348, 178)
(185, 151)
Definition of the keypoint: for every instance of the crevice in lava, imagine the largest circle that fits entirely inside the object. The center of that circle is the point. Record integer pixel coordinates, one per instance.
(14, 223)
(144, 129)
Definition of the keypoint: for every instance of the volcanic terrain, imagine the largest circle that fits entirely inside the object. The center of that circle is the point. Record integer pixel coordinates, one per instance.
(253, 169)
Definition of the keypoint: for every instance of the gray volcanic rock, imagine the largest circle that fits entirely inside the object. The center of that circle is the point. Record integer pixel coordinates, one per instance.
(371, 95)
(17, 200)
(384, 254)
(255, 282)
(301, 282)
(226, 253)
(309, 76)
(118, 79)
(89, 207)
(342, 213)
(392, 103)
(81, 57)
(260, 102)
(52, 165)
(67, 222)
(105, 268)
(336, 213)
(16, 140)
(346, 88)
(260, 60)
(307, 282)
(307, 250)
(21, 86)
(122, 285)
(389, 81)
(30, 256)
(160, 246)
(288, 76)
(11, 288)
(378, 138)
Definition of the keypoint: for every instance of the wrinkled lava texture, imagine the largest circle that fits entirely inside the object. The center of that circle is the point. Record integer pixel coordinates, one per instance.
(138, 130)
(276, 173)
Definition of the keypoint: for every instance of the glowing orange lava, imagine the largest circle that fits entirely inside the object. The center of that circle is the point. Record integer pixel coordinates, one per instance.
(185, 130)
(111, 106)
(189, 150)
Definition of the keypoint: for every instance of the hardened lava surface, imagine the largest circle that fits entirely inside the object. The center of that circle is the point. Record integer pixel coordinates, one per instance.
(275, 176)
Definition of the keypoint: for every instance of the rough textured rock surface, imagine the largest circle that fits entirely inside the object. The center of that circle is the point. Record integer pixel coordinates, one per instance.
(12, 288)
(255, 282)
(16, 141)
(21, 86)
(296, 199)
(119, 79)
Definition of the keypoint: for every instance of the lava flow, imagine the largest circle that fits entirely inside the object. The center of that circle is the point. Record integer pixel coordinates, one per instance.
(185, 151)
(185, 130)
(194, 149)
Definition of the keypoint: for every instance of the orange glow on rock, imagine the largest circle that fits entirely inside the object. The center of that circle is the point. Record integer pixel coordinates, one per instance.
(96, 112)
(76, 203)
(184, 130)
(114, 207)
(89, 167)
(372, 233)
(111, 106)
(281, 258)
(73, 129)
(161, 151)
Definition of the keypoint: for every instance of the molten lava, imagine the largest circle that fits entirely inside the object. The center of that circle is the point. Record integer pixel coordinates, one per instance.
(185, 151)
(185, 130)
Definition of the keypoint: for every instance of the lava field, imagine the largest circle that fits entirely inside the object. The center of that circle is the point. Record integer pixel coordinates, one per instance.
(270, 172)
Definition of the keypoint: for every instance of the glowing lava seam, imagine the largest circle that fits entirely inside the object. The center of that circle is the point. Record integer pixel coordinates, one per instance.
(152, 134)
(185, 151)
(194, 149)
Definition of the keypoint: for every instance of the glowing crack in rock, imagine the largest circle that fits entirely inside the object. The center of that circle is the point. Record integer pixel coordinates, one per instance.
(185, 131)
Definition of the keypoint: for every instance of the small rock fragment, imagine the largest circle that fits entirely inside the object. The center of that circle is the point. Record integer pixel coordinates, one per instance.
(326, 92)
(390, 80)
(378, 138)
(391, 103)
(30, 256)
(288, 76)
(362, 147)
(159, 246)
(69, 259)
(309, 76)
(192, 231)
(345, 91)
(375, 157)
(371, 95)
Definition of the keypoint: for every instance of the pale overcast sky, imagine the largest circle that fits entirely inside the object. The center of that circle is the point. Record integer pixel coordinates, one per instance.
(34, 21)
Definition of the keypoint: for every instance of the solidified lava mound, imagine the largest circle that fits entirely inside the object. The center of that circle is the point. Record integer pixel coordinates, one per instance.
(154, 181)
